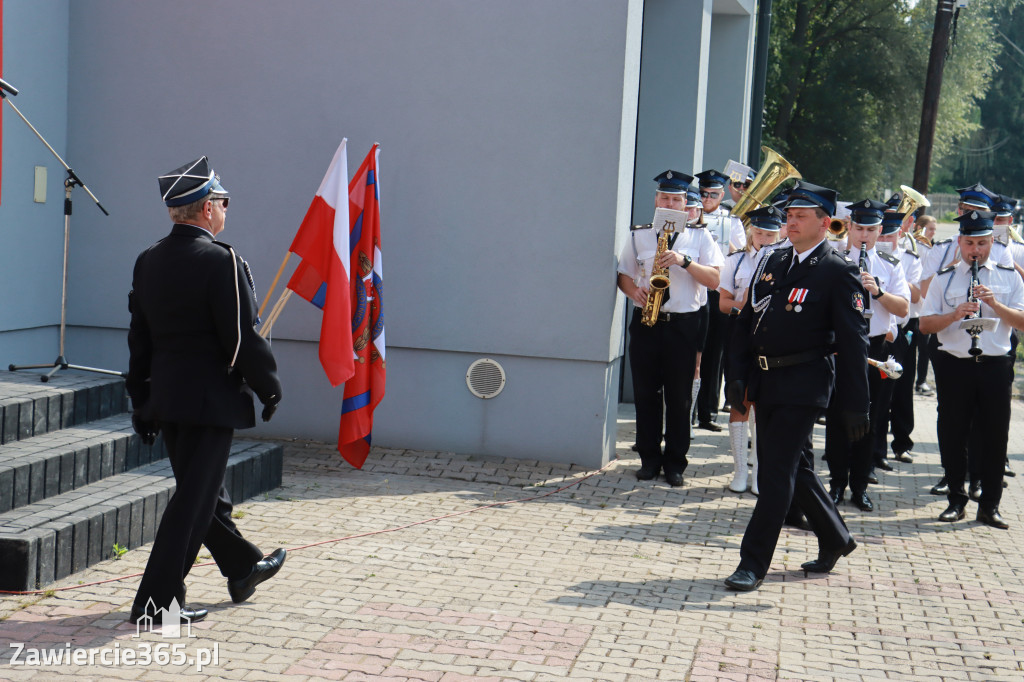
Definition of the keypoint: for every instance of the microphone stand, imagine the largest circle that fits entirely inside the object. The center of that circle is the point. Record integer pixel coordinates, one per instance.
(70, 183)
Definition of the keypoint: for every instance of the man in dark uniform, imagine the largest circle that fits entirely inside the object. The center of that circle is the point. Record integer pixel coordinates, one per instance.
(195, 362)
(806, 302)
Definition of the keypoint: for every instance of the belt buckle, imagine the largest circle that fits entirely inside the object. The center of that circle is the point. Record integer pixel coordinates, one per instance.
(762, 362)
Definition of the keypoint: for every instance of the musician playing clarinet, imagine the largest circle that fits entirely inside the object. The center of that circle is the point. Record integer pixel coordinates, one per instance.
(974, 389)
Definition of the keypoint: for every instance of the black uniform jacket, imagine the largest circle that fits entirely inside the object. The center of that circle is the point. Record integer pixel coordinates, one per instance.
(828, 319)
(191, 306)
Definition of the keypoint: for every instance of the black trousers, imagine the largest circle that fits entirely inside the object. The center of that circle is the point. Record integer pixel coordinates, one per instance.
(974, 412)
(849, 463)
(924, 349)
(786, 475)
(710, 394)
(663, 359)
(901, 413)
(198, 513)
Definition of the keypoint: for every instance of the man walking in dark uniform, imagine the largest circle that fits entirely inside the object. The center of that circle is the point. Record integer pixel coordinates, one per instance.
(805, 303)
(195, 362)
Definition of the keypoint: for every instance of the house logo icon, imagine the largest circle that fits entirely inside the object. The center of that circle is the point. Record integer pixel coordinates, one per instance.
(168, 621)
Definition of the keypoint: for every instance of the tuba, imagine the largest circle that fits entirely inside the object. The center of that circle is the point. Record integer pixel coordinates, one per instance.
(911, 201)
(775, 171)
(659, 281)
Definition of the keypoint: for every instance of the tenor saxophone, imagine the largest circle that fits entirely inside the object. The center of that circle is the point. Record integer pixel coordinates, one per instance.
(658, 283)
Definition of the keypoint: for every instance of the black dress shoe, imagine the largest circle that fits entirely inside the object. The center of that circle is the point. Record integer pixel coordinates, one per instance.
(242, 588)
(648, 472)
(837, 496)
(903, 457)
(633, 447)
(743, 581)
(991, 517)
(872, 478)
(883, 465)
(187, 614)
(674, 478)
(974, 490)
(861, 501)
(1007, 471)
(709, 426)
(941, 488)
(827, 558)
(954, 512)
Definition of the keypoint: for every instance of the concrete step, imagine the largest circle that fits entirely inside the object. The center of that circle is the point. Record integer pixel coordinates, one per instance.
(54, 537)
(29, 407)
(55, 462)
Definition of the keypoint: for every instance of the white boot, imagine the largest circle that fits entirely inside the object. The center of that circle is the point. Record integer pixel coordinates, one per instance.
(693, 404)
(738, 440)
(753, 451)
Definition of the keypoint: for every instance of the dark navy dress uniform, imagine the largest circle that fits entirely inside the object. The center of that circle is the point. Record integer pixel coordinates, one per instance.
(786, 352)
(195, 362)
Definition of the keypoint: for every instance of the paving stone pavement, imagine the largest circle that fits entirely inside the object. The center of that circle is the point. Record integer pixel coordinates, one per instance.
(608, 579)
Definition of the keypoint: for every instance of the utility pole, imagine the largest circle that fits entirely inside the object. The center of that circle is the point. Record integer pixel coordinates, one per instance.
(764, 27)
(932, 90)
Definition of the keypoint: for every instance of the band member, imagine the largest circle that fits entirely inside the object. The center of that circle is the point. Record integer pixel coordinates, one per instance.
(765, 224)
(728, 233)
(974, 389)
(924, 234)
(663, 355)
(882, 276)
(804, 302)
(195, 362)
(738, 187)
(899, 393)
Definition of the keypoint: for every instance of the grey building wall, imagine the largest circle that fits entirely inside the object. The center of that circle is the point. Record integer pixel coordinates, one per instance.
(507, 136)
(36, 62)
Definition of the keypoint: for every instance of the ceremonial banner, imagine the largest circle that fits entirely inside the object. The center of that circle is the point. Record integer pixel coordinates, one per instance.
(322, 278)
(364, 390)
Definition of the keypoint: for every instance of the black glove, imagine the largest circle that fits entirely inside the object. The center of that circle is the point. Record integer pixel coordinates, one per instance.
(146, 429)
(857, 424)
(270, 407)
(736, 391)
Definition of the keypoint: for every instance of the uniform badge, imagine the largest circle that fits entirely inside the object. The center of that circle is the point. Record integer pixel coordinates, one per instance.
(858, 302)
(766, 277)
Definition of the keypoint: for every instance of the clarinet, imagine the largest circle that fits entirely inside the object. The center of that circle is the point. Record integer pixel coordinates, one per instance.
(864, 268)
(975, 332)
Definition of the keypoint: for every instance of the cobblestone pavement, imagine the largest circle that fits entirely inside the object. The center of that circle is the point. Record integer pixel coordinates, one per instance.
(608, 579)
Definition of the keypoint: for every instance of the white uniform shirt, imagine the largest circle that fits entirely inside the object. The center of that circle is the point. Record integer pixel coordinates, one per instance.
(893, 281)
(944, 252)
(912, 270)
(738, 271)
(949, 289)
(726, 230)
(685, 294)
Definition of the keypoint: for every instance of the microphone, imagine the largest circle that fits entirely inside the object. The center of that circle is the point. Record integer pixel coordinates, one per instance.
(8, 87)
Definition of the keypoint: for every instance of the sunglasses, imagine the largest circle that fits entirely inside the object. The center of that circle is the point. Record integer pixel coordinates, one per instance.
(709, 195)
(741, 185)
(224, 201)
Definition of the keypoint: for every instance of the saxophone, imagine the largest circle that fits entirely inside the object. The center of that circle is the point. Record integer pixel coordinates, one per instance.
(659, 281)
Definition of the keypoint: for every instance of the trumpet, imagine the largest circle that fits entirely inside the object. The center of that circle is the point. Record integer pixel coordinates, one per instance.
(890, 369)
(837, 229)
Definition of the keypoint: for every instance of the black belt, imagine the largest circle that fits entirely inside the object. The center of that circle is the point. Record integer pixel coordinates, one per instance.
(767, 363)
(668, 317)
(977, 358)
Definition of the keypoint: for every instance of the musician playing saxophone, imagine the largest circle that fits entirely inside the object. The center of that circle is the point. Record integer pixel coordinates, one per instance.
(974, 391)
(662, 356)
(882, 276)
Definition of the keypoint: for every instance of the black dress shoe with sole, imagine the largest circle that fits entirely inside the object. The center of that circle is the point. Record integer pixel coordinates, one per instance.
(674, 478)
(647, 473)
(743, 581)
(709, 426)
(940, 488)
(991, 517)
(883, 465)
(837, 496)
(974, 491)
(872, 478)
(903, 457)
(862, 501)
(186, 613)
(827, 558)
(242, 588)
(954, 512)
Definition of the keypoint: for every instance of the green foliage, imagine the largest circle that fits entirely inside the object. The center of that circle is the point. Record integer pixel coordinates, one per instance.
(846, 82)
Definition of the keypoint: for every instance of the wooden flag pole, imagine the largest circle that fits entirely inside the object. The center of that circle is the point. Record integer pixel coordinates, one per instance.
(274, 283)
(275, 312)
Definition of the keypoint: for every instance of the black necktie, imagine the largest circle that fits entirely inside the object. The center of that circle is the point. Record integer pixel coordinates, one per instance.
(796, 262)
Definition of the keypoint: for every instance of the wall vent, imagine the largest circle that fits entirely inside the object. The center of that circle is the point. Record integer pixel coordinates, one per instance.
(485, 378)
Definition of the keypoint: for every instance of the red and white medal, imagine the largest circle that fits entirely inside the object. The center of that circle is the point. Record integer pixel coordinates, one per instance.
(796, 297)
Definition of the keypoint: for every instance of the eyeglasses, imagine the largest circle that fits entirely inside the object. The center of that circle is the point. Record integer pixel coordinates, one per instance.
(741, 185)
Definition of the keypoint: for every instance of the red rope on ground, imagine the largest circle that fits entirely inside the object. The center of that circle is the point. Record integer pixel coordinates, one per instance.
(347, 537)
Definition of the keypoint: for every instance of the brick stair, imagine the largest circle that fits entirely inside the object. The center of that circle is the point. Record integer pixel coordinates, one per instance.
(75, 479)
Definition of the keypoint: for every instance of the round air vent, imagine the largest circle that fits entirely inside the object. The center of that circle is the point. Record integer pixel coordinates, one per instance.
(485, 378)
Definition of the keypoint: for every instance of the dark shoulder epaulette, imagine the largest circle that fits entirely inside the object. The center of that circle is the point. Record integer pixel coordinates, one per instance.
(1006, 267)
(911, 253)
(946, 270)
(641, 227)
(947, 240)
(889, 257)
